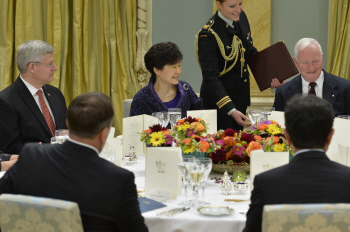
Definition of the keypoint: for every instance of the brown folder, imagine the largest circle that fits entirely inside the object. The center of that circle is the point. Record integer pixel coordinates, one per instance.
(272, 62)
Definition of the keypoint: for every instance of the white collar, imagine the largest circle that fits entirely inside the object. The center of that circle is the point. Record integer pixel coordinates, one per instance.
(31, 88)
(84, 144)
(228, 21)
(306, 150)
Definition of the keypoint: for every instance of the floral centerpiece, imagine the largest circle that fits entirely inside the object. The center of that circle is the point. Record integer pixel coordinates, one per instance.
(236, 147)
(190, 135)
(156, 136)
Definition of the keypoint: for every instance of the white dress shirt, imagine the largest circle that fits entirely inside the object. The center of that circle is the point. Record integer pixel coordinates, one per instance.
(33, 91)
(318, 87)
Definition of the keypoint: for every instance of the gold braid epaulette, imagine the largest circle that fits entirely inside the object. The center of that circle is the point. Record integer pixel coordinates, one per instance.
(236, 47)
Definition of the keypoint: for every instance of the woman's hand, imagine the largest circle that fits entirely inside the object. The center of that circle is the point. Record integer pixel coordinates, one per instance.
(238, 117)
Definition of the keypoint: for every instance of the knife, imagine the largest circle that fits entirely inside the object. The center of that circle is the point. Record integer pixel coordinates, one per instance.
(173, 212)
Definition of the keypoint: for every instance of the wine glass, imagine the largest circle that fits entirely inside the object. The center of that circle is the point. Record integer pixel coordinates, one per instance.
(174, 114)
(255, 116)
(184, 167)
(344, 117)
(165, 118)
(157, 115)
(208, 163)
(196, 176)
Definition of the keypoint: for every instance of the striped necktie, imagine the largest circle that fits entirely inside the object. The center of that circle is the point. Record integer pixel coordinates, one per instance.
(312, 88)
(46, 113)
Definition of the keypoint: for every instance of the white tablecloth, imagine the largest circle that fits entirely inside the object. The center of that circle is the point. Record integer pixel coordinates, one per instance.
(192, 220)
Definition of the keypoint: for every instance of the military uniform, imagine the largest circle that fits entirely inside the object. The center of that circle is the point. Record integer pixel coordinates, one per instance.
(225, 86)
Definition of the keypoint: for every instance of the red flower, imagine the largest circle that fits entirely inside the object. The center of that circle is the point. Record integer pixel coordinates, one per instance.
(218, 155)
(247, 137)
(190, 120)
(157, 128)
(230, 132)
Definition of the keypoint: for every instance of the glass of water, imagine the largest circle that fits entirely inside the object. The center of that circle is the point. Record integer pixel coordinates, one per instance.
(61, 135)
(174, 115)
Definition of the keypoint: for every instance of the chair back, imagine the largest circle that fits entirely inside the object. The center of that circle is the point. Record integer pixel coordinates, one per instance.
(306, 217)
(126, 107)
(28, 213)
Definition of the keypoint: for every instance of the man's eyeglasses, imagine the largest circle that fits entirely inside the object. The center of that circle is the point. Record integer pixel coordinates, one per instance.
(48, 65)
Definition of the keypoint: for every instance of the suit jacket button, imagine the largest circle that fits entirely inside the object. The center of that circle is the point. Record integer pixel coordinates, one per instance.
(245, 80)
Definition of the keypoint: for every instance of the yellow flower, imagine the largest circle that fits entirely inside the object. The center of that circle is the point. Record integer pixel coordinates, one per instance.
(157, 138)
(273, 129)
(189, 149)
(278, 147)
(183, 127)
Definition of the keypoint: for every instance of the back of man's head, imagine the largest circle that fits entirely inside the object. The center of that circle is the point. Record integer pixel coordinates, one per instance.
(31, 51)
(309, 121)
(88, 114)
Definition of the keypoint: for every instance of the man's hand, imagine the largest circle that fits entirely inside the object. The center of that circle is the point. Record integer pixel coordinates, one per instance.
(276, 83)
(13, 157)
(238, 117)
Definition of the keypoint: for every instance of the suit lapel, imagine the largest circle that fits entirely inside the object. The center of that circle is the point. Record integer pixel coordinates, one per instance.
(30, 102)
(295, 87)
(329, 91)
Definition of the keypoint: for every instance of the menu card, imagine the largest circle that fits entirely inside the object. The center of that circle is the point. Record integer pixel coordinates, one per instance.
(112, 148)
(147, 204)
(344, 153)
(209, 117)
(261, 161)
(341, 136)
(162, 172)
(277, 116)
(132, 127)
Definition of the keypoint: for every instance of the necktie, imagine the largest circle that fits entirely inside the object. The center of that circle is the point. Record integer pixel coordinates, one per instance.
(312, 88)
(46, 113)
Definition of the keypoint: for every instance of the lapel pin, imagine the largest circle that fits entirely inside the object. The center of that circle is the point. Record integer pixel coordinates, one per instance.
(333, 95)
(48, 94)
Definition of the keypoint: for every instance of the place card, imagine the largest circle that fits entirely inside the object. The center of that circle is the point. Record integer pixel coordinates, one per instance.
(344, 153)
(341, 136)
(277, 116)
(132, 127)
(261, 161)
(112, 150)
(209, 117)
(147, 204)
(161, 170)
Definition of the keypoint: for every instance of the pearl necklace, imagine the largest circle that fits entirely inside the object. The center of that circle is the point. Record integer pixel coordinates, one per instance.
(172, 92)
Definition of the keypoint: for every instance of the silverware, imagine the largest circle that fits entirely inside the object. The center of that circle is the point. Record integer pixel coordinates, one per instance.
(173, 212)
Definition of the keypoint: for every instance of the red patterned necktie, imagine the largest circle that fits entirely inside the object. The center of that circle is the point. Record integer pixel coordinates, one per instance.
(312, 88)
(46, 113)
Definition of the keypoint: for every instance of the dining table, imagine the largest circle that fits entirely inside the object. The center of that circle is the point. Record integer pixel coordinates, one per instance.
(192, 220)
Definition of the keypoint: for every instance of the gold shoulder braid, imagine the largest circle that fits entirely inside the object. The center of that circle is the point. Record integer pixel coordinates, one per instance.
(236, 47)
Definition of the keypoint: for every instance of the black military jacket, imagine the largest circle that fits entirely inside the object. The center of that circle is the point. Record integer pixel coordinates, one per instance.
(224, 92)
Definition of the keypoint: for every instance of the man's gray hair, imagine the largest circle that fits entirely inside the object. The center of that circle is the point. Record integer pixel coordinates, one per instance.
(303, 43)
(31, 51)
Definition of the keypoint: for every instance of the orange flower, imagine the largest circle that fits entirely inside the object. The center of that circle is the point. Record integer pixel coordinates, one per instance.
(187, 141)
(228, 154)
(198, 126)
(258, 138)
(274, 122)
(196, 136)
(181, 121)
(166, 132)
(230, 141)
(263, 127)
(148, 131)
(275, 139)
(203, 146)
(253, 146)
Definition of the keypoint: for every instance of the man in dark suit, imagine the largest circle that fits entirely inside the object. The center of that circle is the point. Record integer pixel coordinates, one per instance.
(310, 177)
(25, 116)
(314, 80)
(73, 171)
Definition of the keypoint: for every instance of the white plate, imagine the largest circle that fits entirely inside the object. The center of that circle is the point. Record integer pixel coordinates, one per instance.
(129, 162)
(215, 210)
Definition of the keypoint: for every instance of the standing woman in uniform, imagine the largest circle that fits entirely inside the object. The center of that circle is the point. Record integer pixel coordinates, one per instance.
(223, 47)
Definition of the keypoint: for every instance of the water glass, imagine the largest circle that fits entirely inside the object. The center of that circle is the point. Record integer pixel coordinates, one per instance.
(255, 116)
(266, 111)
(184, 167)
(174, 114)
(61, 136)
(344, 117)
(164, 118)
(157, 115)
(196, 177)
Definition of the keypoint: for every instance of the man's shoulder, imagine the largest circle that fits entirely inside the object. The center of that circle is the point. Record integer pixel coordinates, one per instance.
(338, 79)
(289, 84)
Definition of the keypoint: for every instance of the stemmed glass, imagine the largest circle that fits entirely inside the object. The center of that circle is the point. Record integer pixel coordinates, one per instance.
(208, 163)
(174, 114)
(164, 118)
(196, 176)
(184, 166)
(255, 116)
(157, 115)
(266, 111)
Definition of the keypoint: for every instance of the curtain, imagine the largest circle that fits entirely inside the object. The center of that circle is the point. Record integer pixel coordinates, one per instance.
(338, 61)
(94, 45)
